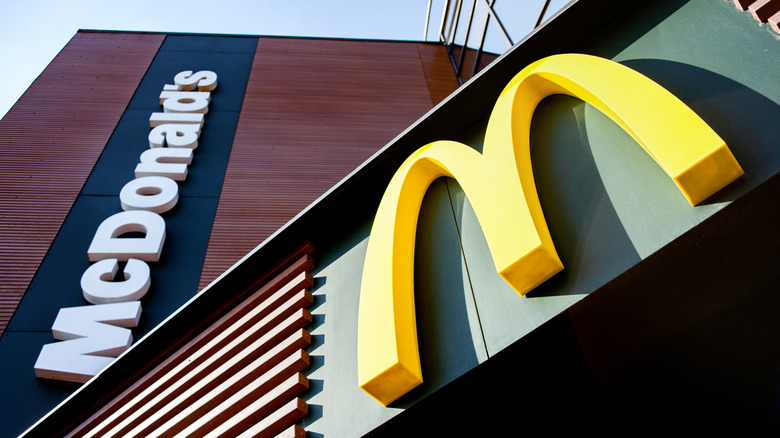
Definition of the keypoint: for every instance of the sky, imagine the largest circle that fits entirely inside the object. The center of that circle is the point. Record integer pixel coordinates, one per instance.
(32, 32)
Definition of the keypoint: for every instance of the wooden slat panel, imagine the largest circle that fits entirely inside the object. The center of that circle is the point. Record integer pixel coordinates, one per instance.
(217, 409)
(294, 431)
(50, 141)
(743, 4)
(239, 352)
(235, 358)
(271, 425)
(232, 422)
(294, 277)
(254, 381)
(438, 71)
(314, 110)
(239, 369)
(763, 9)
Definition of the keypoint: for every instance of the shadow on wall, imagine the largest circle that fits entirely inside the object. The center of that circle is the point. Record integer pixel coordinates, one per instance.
(449, 335)
(744, 119)
(587, 232)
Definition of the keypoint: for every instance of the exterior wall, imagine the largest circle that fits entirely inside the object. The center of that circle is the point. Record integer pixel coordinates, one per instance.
(51, 139)
(242, 372)
(660, 303)
(314, 111)
(56, 283)
(438, 72)
(291, 119)
(616, 220)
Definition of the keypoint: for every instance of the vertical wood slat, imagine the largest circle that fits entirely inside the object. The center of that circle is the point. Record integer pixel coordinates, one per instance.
(50, 141)
(314, 110)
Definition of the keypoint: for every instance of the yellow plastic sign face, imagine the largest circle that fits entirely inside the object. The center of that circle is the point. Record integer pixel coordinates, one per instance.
(688, 150)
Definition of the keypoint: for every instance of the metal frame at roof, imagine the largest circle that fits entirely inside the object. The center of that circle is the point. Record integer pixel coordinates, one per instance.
(452, 22)
(324, 218)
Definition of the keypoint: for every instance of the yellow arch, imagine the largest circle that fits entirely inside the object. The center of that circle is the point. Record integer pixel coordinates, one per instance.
(686, 148)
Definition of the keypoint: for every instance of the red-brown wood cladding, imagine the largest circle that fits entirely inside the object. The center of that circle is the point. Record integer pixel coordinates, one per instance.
(272, 289)
(438, 71)
(242, 371)
(313, 111)
(50, 141)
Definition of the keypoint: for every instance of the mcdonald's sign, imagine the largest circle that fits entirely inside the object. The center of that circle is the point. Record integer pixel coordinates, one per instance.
(686, 148)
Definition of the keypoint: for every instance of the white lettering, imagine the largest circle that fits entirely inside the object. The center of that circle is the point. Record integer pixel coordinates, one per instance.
(93, 335)
(204, 80)
(175, 135)
(99, 288)
(168, 162)
(108, 243)
(185, 101)
(151, 193)
(157, 119)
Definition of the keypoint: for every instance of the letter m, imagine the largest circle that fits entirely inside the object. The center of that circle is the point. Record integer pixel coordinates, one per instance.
(92, 336)
(499, 183)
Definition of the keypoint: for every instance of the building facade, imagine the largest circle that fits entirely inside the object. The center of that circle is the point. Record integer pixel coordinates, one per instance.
(664, 311)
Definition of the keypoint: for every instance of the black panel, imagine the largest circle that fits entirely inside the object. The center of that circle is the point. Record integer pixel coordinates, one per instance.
(231, 68)
(210, 43)
(27, 398)
(686, 340)
(117, 163)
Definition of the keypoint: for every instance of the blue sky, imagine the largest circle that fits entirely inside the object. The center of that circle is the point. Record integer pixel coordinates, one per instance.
(32, 32)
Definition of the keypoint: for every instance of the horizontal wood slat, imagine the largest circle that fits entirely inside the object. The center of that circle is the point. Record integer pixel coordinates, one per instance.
(295, 276)
(235, 373)
(764, 11)
(291, 432)
(239, 351)
(217, 367)
(238, 390)
(50, 141)
(268, 427)
(233, 423)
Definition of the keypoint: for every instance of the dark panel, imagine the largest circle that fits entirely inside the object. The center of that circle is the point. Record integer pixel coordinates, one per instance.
(28, 399)
(685, 340)
(210, 43)
(694, 327)
(232, 69)
(50, 140)
(116, 166)
(314, 110)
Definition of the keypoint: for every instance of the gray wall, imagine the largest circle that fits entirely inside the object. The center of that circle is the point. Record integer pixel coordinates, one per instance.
(607, 203)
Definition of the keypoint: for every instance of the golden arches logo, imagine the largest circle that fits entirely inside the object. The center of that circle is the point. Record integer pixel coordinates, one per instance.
(688, 150)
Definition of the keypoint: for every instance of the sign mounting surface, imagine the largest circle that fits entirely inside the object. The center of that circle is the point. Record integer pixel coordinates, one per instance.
(686, 148)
